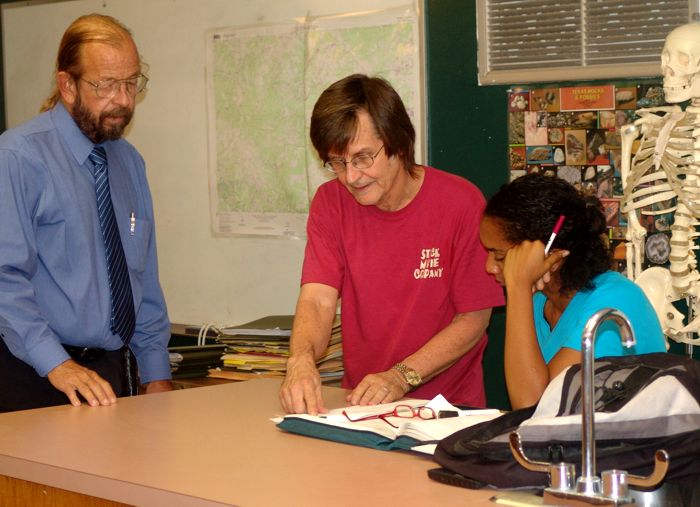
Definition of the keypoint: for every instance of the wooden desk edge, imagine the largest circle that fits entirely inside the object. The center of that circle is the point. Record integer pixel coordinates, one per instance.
(69, 483)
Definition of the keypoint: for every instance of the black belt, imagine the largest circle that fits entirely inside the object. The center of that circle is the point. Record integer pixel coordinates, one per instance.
(84, 353)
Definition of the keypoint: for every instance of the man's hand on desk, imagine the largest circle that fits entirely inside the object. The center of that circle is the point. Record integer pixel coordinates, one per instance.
(301, 390)
(70, 378)
(376, 388)
(158, 386)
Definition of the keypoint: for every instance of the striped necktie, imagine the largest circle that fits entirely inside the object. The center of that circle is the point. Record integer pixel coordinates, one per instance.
(123, 319)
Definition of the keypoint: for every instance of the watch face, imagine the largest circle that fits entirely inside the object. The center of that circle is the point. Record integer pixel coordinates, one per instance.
(657, 248)
(412, 378)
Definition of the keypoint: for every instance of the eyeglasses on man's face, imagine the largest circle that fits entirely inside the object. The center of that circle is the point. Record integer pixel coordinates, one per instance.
(362, 161)
(108, 88)
(405, 411)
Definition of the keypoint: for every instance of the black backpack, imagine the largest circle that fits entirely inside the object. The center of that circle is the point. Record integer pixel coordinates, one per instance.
(642, 403)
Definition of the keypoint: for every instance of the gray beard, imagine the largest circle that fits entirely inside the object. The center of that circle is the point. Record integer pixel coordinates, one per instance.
(93, 128)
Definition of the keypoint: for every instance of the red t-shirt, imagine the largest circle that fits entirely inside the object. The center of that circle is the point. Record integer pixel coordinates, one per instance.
(402, 277)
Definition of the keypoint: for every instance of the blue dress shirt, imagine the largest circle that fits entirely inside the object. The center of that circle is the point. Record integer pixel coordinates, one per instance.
(53, 274)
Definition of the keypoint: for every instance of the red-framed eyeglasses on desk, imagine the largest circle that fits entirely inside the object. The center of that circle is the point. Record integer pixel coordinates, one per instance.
(403, 411)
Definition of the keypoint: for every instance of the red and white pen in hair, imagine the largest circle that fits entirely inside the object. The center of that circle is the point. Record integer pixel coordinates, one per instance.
(555, 231)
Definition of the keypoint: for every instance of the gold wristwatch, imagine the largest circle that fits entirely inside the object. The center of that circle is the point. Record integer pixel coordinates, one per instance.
(411, 376)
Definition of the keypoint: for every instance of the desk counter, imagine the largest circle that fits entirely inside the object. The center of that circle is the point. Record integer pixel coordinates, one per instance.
(210, 446)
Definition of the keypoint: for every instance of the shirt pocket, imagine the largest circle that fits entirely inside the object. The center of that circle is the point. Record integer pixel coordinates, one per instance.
(136, 244)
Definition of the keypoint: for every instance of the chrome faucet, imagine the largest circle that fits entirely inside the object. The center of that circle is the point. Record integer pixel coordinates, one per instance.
(587, 489)
(589, 483)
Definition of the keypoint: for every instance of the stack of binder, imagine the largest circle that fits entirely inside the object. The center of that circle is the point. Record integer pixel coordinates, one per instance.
(260, 349)
(194, 360)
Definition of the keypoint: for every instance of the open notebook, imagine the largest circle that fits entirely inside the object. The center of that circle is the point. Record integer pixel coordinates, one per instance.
(378, 433)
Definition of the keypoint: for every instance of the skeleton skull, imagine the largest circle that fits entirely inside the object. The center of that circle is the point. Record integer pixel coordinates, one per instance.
(680, 63)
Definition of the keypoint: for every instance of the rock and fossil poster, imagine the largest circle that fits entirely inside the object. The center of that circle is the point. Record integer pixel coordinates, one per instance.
(573, 132)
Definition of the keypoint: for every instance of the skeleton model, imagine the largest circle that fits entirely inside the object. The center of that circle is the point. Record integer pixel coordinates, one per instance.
(666, 168)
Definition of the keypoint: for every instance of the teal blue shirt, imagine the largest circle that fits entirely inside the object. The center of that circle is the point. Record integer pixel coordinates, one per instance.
(610, 290)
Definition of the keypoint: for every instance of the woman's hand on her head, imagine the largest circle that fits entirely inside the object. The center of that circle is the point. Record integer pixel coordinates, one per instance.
(526, 265)
(545, 279)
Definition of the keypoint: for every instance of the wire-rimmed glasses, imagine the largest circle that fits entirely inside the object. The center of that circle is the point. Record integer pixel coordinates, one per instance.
(108, 88)
(362, 161)
(404, 411)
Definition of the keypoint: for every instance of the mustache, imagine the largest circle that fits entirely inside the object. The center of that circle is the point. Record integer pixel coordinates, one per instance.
(119, 112)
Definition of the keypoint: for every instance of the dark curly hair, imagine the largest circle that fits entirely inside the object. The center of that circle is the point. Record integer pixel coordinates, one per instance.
(529, 206)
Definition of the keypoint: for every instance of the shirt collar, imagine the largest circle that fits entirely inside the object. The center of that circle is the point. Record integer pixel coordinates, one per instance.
(79, 145)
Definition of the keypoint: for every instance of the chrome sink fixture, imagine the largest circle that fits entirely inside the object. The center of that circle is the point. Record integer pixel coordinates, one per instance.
(612, 488)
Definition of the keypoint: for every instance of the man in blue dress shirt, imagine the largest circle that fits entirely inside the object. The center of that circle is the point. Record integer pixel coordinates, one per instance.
(56, 319)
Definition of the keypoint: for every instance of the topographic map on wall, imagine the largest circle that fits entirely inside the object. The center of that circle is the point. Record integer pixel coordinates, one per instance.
(262, 84)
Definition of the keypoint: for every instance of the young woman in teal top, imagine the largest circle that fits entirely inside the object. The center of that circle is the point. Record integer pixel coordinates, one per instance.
(550, 298)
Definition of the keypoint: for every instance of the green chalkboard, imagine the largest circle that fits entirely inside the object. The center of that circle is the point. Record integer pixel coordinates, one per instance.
(467, 132)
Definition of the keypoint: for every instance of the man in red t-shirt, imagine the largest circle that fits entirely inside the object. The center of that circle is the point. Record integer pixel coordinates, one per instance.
(398, 243)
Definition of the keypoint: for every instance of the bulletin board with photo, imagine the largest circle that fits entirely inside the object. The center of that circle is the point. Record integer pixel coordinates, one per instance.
(573, 132)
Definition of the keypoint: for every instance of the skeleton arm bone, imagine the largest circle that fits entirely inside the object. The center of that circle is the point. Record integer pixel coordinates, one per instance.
(635, 232)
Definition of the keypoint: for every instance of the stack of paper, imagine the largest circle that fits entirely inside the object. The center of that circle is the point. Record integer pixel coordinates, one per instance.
(194, 360)
(261, 348)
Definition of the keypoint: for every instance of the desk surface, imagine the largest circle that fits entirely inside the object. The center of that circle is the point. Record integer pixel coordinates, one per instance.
(210, 446)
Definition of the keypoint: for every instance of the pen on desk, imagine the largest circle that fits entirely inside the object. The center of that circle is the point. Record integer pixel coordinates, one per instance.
(555, 231)
(132, 224)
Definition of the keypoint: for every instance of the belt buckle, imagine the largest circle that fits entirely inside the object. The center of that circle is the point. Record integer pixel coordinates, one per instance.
(85, 354)
(88, 354)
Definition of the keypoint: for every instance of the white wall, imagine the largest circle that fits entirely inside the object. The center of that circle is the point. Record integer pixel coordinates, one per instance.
(204, 278)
